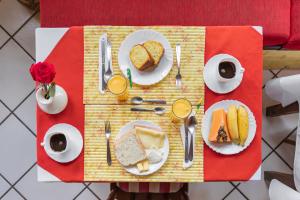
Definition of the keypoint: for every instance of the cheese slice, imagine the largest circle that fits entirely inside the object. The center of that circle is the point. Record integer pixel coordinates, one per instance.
(143, 165)
(150, 138)
(146, 165)
(140, 166)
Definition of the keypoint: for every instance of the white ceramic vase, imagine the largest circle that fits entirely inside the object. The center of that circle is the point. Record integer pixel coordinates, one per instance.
(53, 105)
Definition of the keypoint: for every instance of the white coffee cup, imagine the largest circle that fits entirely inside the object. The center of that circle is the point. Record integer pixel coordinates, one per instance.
(47, 147)
(238, 68)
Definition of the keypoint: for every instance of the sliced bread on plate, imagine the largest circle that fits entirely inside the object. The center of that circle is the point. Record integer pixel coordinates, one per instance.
(140, 57)
(129, 149)
(155, 49)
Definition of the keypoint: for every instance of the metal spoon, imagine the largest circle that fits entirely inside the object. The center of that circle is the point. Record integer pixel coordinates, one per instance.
(140, 100)
(156, 110)
(191, 123)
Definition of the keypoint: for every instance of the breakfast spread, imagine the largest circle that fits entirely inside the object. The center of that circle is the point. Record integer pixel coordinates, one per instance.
(145, 149)
(231, 126)
(147, 55)
(140, 147)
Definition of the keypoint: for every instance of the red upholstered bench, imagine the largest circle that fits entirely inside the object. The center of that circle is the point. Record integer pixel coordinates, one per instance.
(294, 39)
(273, 15)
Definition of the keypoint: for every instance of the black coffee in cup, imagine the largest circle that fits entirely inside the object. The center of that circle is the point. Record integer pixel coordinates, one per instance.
(227, 69)
(58, 142)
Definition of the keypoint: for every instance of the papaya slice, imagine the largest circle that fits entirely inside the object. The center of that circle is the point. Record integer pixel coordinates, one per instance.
(218, 130)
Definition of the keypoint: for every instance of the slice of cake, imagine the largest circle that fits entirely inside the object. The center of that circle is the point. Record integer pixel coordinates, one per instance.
(129, 149)
(155, 49)
(140, 58)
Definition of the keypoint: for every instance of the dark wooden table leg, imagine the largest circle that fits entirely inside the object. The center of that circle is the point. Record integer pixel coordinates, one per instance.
(277, 110)
(113, 191)
(286, 179)
(291, 142)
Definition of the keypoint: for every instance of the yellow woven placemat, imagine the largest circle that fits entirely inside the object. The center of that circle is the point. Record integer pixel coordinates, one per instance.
(192, 40)
(95, 166)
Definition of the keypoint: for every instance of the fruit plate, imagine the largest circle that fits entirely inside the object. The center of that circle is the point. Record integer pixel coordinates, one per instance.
(165, 149)
(227, 148)
(145, 77)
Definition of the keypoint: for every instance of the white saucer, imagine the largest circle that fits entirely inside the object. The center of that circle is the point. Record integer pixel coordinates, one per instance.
(231, 148)
(210, 77)
(76, 143)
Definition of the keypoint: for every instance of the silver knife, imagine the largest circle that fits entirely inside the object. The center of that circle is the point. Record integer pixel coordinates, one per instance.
(192, 129)
(186, 143)
(102, 57)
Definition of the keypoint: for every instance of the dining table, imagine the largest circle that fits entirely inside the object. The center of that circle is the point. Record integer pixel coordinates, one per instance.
(74, 52)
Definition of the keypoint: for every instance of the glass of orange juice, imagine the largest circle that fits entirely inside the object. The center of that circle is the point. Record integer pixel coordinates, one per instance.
(181, 109)
(118, 85)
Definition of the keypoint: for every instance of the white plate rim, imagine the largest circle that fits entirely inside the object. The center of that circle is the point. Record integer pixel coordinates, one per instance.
(77, 142)
(160, 72)
(227, 149)
(211, 81)
(165, 149)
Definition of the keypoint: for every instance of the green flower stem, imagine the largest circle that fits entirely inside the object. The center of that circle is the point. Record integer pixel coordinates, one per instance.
(46, 90)
(129, 77)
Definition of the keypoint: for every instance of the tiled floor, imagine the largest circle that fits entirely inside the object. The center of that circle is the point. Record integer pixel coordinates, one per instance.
(17, 127)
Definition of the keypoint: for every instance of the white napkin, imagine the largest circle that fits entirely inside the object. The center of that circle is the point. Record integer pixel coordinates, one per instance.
(279, 191)
(182, 132)
(284, 90)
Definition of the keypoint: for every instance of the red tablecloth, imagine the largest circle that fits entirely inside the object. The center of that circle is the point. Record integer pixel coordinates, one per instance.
(67, 57)
(244, 43)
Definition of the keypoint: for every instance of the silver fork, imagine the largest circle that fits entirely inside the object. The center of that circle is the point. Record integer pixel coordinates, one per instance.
(178, 75)
(107, 135)
(108, 72)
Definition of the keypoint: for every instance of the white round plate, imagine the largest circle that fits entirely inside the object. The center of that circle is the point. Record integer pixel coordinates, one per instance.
(228, 148)
(165, 149)
(76, 143)
(145, 77)
(210, 77)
